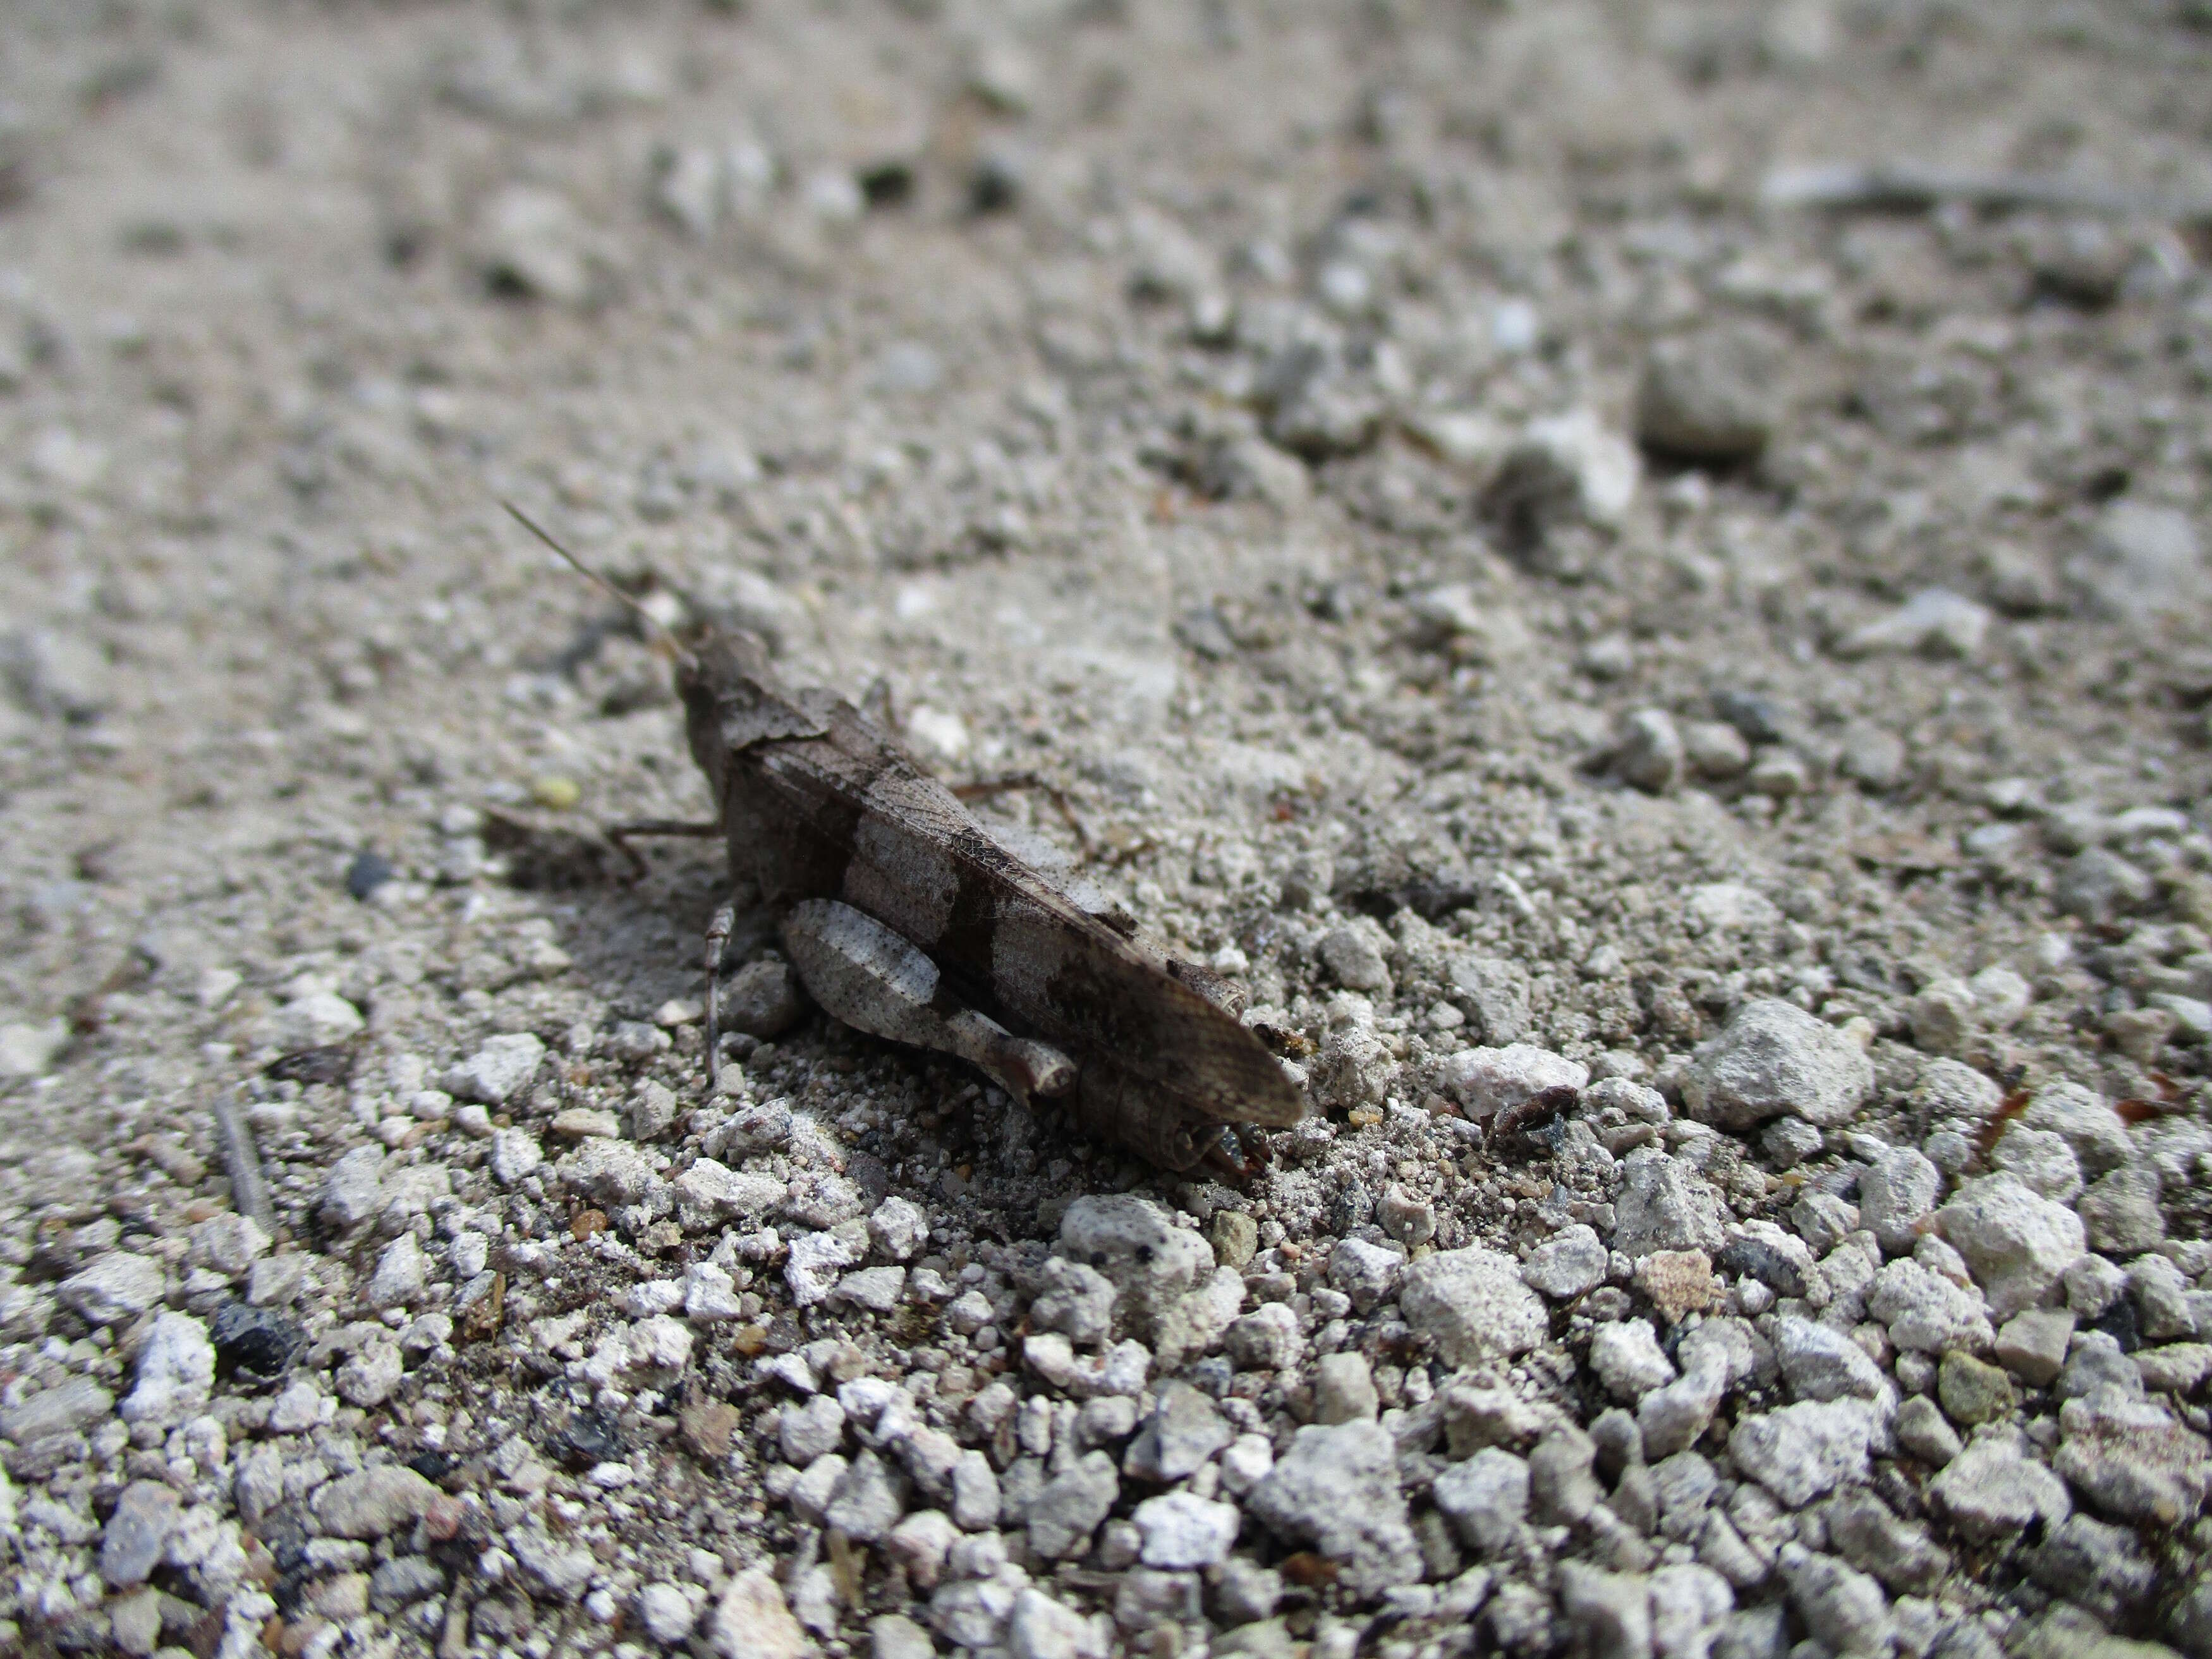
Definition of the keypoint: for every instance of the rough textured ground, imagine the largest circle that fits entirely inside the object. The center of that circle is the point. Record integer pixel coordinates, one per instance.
(1484, 562)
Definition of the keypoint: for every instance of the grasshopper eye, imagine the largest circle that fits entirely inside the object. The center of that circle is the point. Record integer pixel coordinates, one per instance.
(1144, 1255)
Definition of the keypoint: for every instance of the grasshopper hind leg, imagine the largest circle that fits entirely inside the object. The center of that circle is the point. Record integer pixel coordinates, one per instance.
(717, 942)
(878, 981)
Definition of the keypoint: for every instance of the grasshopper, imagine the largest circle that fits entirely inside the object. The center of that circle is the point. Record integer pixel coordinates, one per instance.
(904, 918)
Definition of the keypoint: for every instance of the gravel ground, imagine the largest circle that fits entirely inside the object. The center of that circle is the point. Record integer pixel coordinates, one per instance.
(1674, 670)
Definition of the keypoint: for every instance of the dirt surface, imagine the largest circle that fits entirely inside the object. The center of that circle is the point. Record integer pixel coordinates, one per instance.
(1668, 536)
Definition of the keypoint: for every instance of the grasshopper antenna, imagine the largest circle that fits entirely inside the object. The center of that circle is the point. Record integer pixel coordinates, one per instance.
(660, 629)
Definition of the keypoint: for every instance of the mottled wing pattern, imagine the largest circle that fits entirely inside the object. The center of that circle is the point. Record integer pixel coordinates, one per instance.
(850, 816)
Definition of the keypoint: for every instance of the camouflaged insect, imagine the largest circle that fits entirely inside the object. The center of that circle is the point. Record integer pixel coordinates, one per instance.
(904, 918)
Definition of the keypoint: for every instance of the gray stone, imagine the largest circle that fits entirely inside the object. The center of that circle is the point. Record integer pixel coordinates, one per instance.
(1245, 1592)
(1934, 622)
(1605, 1612)
(1486, 1498)
(1344, 1390)
(2016, 1243)
(1925, 1312)
(1181, 1531)
(866, 1503)
(530, 240)
(2093, 1285)
(137, 1533)
(403, 1581)
(73, 1404)
(1409, 1220)
(29, 1051)
(368, 1379)
(1473, 1304)
(2098, 1363)
(1647, 749)
(1821, 1362)
(2098, 1566)
(398, 1278)
(1926, 1433)
(553, 1568)
(320, 1020)
(1664, 1204)
(501, 1069)
(118, 1287)
(373, 1502)
(1265, 1339)
(1571, 1263)
(893, 1635)
(763, 1000)
(2120, 1215)
(610, 1172)
(2179, 1367)
(1354, 956)
(1844, 1609)
(1898, 1191)
(1151, 1262)
(2131, 1461)
(972, 1612)
(666, 1614)
(1898, 1552)
(175, 1372)
(514, 1155)
(1710, 398)
(804, 1432)
(2086, 1122)
(1494, 992)
(1366, 1273)
(1336, 1488)
(1674, 1417)
(1181, 1435)
(1804, 1451)
(1626, 1357)
(2163, 1296)
(1786, 1142)
(1563, 1485)
(2033, 1345)
(1064, 1515)
(1823, 1220)
(1994, 1488)
(2142, 560)
(751, 1621)
(977, 1499)
(2099, 886)
(229, 1243)
(354, 1189)
(2042, 1160)
(1077, 1301)
(1774, 1058)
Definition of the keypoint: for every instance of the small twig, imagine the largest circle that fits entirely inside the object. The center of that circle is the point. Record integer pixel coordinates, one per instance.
(1909, 187)
(249, 1193)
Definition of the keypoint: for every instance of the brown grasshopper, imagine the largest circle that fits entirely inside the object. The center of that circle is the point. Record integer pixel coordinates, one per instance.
(904, 918)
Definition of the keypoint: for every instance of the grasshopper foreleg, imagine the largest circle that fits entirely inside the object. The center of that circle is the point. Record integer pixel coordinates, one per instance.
(877, 981)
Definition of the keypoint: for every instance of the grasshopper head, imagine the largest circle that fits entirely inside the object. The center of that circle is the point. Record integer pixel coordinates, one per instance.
(731, 698)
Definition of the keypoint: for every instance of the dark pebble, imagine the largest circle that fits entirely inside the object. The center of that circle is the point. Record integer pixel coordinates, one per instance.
(1212, 1375)
(1748, 1258)
(368, 872)
(591, 1436)
(255, 1345)
(2119, 1322)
